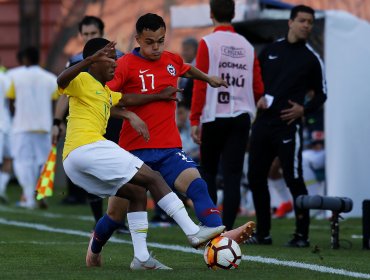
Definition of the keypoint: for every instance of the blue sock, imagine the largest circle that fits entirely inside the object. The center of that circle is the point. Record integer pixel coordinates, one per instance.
(103, 231)
(206, 211)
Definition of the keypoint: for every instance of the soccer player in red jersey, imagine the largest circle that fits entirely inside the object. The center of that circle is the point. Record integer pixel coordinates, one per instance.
(147, 70)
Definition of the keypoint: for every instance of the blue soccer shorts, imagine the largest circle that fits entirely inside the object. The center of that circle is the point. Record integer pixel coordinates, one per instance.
(169, 162)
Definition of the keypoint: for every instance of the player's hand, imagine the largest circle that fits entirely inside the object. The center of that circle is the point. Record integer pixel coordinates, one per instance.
(216, 82)
(56, 132)
(106, 54)
(169, 94)
(139, 125)
(292, 113)
(262, 103)
(195, 134)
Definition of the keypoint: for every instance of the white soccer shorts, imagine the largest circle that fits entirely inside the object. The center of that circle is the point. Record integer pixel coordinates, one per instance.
(101, 168)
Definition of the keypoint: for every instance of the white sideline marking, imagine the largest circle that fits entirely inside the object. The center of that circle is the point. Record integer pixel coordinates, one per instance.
(44, 214)
(313, 267)
(42, 242)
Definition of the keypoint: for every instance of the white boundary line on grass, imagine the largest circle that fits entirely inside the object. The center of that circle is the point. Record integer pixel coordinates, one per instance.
(313, 267)
(23, 211)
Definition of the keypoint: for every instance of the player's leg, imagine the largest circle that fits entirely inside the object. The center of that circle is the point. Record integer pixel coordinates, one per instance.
(104, 228)
(111, 221)
(137, 219)
(24, 167)
(190, 182)
(179, 171)
(172, 205)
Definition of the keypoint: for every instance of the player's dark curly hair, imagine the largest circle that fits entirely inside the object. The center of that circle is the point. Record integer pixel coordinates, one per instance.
(301, 8)
(93, 45)
(149, 21)
(222, 10)
(91, 20)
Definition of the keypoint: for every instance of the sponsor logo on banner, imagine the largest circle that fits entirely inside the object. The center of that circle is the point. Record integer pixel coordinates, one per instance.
(233, 52)
(232, 65)
(224, 97)
(233, 81)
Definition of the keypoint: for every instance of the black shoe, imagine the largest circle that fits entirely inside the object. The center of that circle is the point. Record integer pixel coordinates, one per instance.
(298, 241)
(258, 240)
(123, 229)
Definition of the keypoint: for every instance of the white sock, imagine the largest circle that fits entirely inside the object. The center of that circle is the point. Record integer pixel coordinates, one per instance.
(4, 179)
(138, 225)
(29, 194)
(281, 189)
(174, 208)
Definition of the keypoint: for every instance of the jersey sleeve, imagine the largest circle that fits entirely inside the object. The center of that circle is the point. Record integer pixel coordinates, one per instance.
(74, 88)
(184, 67)
(199, 91)
(116, 84)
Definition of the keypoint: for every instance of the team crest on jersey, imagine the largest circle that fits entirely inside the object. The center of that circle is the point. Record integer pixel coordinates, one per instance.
(171, 69)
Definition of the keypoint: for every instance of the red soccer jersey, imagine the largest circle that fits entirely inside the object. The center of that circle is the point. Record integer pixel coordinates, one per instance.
(135, 74)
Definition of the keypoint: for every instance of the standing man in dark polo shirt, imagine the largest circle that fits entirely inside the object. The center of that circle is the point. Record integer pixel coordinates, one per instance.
(290, 69)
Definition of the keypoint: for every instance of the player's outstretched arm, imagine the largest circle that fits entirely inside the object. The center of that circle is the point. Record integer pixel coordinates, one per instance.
(70, 73)
(133, 99)
(213, 81)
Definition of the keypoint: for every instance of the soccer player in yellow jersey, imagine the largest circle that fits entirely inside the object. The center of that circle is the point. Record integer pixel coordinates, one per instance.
(100, 166)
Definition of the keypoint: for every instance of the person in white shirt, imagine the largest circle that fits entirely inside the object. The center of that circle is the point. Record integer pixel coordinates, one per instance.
(4, 137)
(31, 93)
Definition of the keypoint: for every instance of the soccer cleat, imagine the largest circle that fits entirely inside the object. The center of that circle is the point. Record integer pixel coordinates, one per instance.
(203, 235)
(257, 240)
(150, 264)
(92, 259)
(242, 233)
(298, 241)
(283, 209)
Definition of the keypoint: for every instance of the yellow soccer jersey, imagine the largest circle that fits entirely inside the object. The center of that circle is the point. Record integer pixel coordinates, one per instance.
(89, 111)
